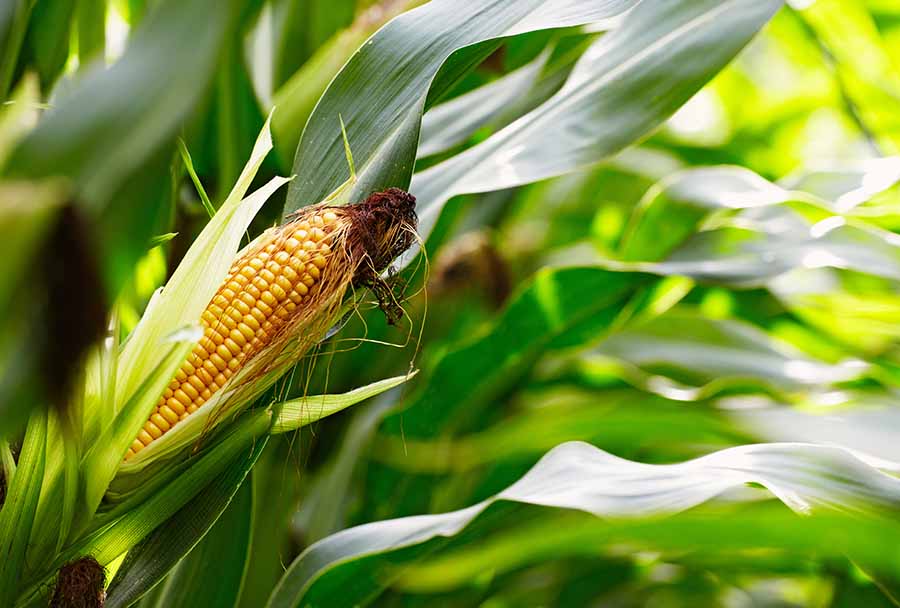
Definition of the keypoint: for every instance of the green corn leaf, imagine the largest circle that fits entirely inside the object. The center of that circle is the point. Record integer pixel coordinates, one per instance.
(624, 86)
(214, 569)
(7, 462)
(558, 307)
(712, 534)
(809, 479)
(189, 166)
(18, 116)
(381, 92)
(59, 493)
(297, 413)
(212, 530)
(17, 513)
(554, 414)
(452, 123)
(48, 38)
(690, 196)
(708, 350)
(748, 255)
(296, 98)
(90, 16)
(847, 184)
(116, 147)
(14, 17)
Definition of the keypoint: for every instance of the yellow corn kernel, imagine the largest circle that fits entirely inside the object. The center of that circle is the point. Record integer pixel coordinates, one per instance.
(271, 285)
(261, 292)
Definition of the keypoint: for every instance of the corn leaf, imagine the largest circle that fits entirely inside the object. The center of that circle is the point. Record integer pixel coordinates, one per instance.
(554, 310)
(708, 350)
(766, 232)
(381, 92)
(557, 309)
(17, 513)
(297, 413)
(452, 123)
(689, 197)
(809, 479)
(90, 16)
(326, 509)
(13, 25)
(749, 255)
(59, 493)
(48, 38)
(116, 147)
(696, 537)
(18, 116)
(7, 462)
(864, 423)
(203, 548)
(847, 184)
(692, 195)
(861, 59)
(214, 476)
(550, 415)
(303, 28)
(296, 98)
(653, 63)
(214, 569)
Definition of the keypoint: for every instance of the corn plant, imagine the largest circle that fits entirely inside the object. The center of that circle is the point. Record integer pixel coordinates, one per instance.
(644, 254)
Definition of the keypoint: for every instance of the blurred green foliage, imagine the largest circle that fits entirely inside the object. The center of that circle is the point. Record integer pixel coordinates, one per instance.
(597, 267)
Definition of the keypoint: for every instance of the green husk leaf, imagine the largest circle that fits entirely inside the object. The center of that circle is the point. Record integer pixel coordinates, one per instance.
(105, 456)
(215, 568)
(59, 493)
(224, 466)
(17, 513)
(18, 115)
(7, 462)
(296, 413)
(149, 562)
(199, 274)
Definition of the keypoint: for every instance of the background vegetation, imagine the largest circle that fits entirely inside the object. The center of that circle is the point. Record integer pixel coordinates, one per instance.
(656, 232)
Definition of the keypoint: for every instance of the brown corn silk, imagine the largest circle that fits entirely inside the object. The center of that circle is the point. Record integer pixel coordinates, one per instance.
(290, 283)
(80, 584)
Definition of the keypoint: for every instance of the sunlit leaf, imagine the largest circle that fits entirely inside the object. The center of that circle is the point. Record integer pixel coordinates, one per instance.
(383, 114)
(624, 86)
(809, 479)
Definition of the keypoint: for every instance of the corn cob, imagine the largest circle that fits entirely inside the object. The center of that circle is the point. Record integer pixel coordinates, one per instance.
(293, 270)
